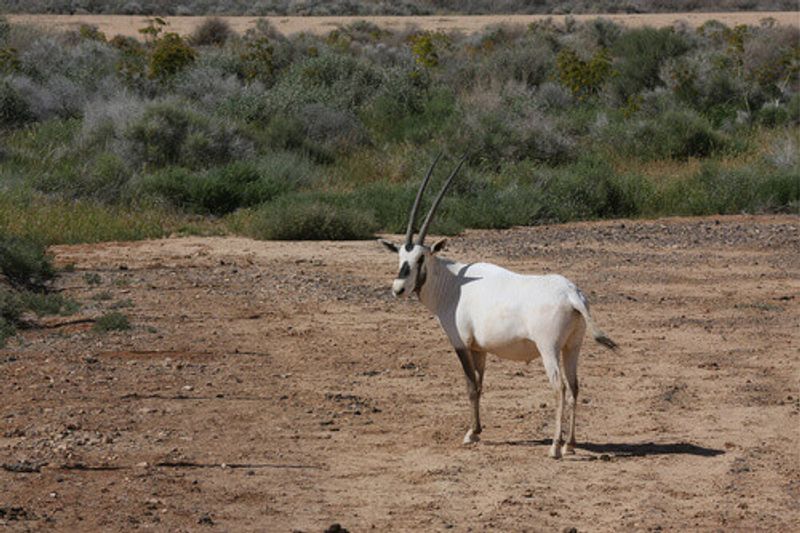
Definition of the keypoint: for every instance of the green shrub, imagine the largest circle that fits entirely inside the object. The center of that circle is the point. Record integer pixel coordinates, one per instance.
(42, 303)
(14, 109)
(590, 189)
(672, 134)
(53, 221)
(638, 56)
(212, 31)
(492, 129)
(113, 321)
(7, 330)
(169, 56)
(583, 78)
(168, 133)
(221, 190)
(408, 107)
(773, 114)
(9, 61)
(11, 307)
(336, 80)
(426, 46)
(293, 218)
(131, 64)
(24, 262)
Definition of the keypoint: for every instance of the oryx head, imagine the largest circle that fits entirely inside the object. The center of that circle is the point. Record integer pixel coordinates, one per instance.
(412, 255)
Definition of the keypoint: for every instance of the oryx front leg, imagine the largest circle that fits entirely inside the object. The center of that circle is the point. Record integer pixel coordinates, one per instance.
(474, 382)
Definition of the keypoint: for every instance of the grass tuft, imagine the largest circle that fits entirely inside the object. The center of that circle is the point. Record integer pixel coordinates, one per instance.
(113, 321)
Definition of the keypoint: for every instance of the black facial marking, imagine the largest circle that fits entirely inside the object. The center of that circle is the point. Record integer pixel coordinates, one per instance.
(409, 247)
(405, 270)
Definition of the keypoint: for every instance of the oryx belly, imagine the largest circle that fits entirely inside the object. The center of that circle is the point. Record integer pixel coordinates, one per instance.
(523, 350)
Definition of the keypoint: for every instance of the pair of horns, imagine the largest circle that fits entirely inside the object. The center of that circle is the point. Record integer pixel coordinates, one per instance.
(412, 217)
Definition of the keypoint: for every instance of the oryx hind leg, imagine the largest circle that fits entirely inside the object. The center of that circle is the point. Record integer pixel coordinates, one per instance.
(552, 368)
(473, 364)
(570, 377)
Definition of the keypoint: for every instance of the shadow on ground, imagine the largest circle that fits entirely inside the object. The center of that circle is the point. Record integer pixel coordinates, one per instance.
(649, 448)
(618, 449)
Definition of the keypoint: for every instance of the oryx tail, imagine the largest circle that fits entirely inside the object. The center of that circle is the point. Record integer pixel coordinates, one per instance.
(579, 303)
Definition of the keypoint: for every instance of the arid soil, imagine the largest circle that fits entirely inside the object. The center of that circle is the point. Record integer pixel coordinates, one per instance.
(277, 386)
(129, 25)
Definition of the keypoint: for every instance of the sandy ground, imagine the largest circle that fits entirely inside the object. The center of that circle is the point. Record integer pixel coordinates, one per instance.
(129, 25)
(277, 386)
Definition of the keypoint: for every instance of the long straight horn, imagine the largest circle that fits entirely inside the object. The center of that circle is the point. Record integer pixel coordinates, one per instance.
(425, 225)
(412, 217)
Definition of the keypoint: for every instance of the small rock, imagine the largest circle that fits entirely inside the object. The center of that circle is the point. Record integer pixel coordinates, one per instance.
(570, 530)
(336, 528)
(205, 520)
(605, 457)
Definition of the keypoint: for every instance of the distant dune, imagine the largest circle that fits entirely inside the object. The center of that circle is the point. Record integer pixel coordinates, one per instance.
(128, 25)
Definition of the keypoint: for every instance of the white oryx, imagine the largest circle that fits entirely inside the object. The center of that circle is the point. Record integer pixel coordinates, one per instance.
(484, 308)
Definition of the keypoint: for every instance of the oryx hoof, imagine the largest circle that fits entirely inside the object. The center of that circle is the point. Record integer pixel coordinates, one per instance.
(471, 437)
(568, 448)
(555, 450)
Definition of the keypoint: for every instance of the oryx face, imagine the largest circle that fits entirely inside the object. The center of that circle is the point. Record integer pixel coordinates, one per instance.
(413, 254)
(411, 270)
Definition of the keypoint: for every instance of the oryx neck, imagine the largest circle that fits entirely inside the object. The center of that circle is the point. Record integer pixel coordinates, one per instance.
(440, 280)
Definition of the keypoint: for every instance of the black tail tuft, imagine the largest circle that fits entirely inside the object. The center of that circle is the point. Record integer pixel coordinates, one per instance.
(601, 338)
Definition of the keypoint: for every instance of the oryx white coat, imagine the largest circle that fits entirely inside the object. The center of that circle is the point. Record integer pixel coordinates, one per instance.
(484, 308)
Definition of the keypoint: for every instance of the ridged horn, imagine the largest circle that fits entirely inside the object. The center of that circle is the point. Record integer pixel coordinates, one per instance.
(413, 215)
(425, 225)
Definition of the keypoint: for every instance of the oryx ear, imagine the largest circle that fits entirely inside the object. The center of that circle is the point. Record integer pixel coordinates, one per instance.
(389, 245)
(438, 246)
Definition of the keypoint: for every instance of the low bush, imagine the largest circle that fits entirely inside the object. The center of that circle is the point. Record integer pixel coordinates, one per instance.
(43, 303)
(51, 221)
(7, 330)
(170, 55)
(113, 321)
(493, 128)
(24, 262)
(295, 218)
(167, 133)
(337, 81)
(221, 190)
(590, 189)
(638, 55)
(212, 31)
(25, 266)
(715, 190)
(408, 106)
(14, 108)
(676, 134)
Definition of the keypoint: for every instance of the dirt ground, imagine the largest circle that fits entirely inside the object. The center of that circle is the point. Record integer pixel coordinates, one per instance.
(277, 386)
(129, 25)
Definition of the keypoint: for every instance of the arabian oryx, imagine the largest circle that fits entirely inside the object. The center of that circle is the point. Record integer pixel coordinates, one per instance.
(484, 308)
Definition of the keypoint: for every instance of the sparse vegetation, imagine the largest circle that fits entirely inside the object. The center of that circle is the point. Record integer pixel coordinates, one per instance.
(25, 267)
(113, 321)
(325, 137)
(382, 7)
